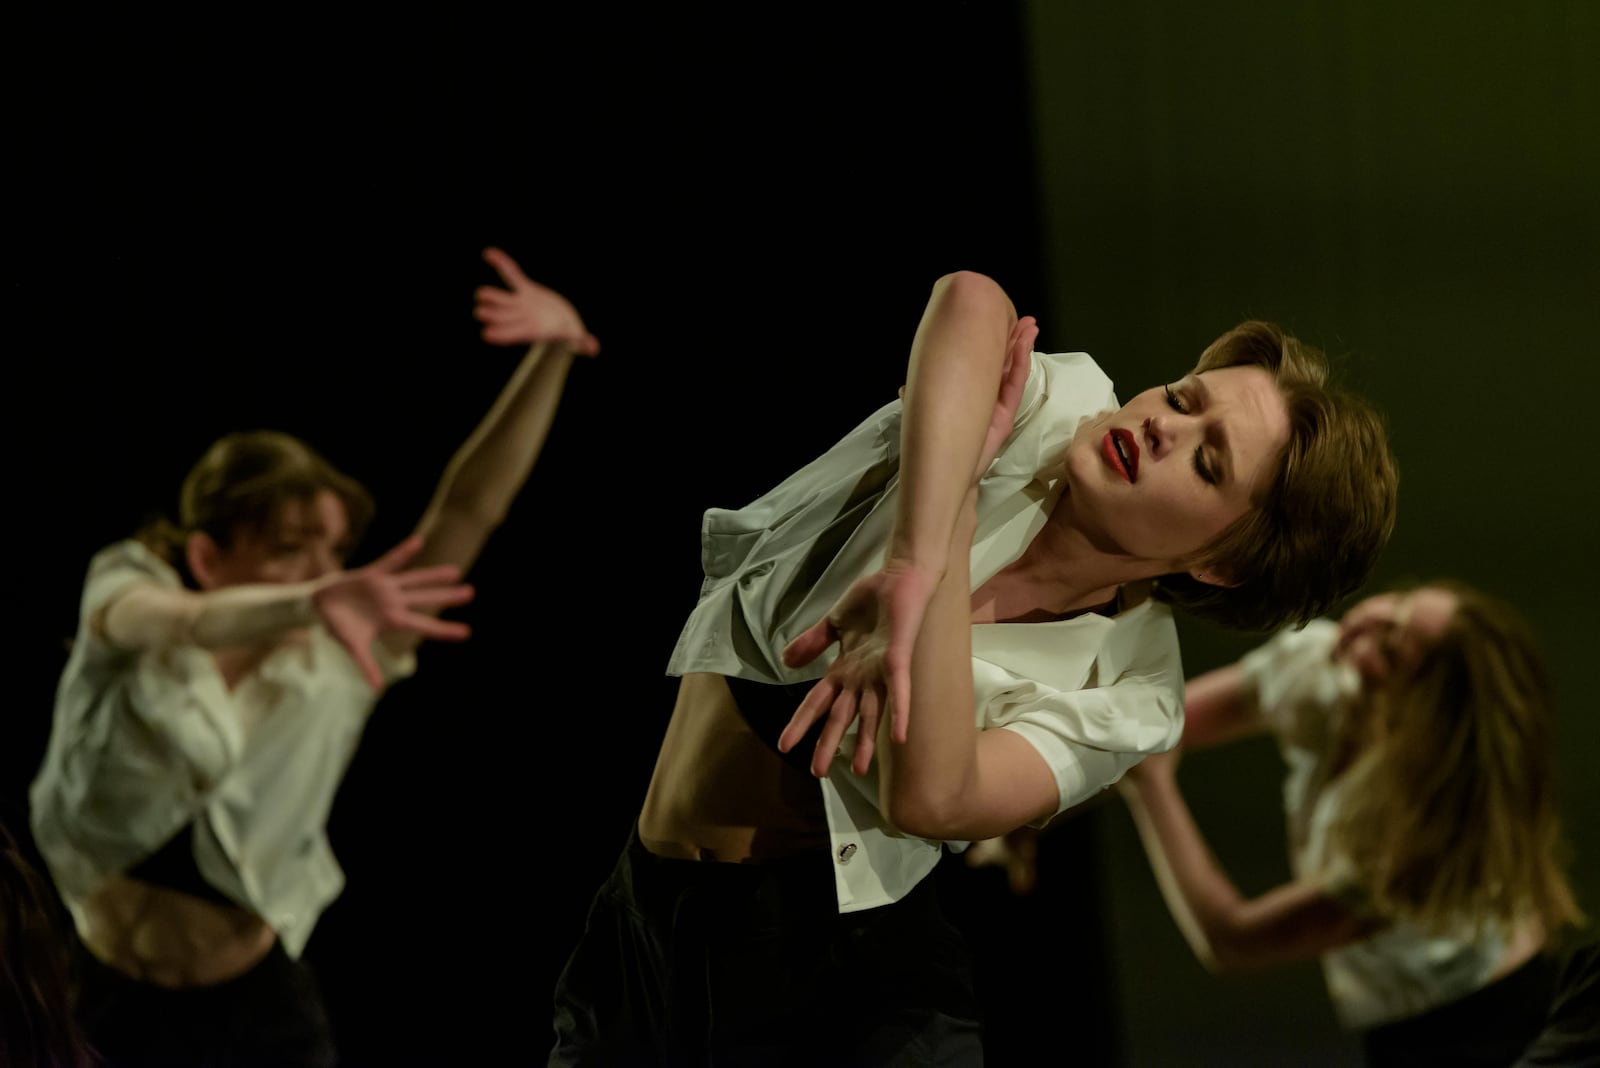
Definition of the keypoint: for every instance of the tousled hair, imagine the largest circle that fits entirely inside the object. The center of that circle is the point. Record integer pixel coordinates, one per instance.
(1451, 815)
(1317, 529)
(38, 993)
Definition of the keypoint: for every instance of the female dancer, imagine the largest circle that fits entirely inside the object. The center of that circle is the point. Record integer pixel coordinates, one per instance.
(1006, 542)
(1422, 824)
(222, 673)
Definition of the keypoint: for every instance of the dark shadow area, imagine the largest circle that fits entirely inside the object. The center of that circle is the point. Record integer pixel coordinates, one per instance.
(279, 225)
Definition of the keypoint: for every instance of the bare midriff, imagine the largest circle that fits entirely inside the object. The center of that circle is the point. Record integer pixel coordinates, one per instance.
(719, 792)
(170, 938)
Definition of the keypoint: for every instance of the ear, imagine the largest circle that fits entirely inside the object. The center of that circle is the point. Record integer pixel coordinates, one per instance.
(204, 557)
(1212, 575)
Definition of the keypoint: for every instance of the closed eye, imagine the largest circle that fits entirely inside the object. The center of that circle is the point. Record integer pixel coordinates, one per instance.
(1201, 468)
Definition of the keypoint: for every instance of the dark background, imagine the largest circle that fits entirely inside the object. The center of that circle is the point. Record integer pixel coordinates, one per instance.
(273, 222)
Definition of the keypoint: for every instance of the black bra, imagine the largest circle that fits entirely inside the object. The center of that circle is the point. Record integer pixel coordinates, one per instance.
(768, 707)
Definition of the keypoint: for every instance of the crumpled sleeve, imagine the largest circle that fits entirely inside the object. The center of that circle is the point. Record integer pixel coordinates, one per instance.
(1090, 737)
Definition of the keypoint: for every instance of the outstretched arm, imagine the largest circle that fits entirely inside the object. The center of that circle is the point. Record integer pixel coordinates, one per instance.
(1227, 931)
(489, 469)
(1219, 706)
(385, 596)
(964, 355)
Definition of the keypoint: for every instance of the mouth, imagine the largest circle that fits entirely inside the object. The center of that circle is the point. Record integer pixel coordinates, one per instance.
(1121, 452)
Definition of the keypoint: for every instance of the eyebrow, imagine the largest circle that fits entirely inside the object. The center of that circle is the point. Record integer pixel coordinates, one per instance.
(1224, 452)
(307, 529)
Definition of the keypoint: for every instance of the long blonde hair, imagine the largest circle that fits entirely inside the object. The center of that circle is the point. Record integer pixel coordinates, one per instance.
(1451, 814)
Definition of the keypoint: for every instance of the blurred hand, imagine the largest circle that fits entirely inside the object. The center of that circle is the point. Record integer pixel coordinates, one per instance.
(1016, 851)
(361, 604)
(525, 312)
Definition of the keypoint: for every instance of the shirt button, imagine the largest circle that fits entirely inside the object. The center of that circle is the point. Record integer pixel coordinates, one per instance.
(286, 921)
(846, 852)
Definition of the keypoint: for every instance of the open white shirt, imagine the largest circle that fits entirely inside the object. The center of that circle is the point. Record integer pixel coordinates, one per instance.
(146, 742)
(1093, 694)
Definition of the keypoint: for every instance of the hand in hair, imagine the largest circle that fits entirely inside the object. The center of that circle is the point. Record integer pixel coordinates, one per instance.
(361, 604)
(525, 312)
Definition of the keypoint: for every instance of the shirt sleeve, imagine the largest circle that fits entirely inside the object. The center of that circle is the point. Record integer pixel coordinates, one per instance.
(1295, 682)
(1090, 737)
(114, 571)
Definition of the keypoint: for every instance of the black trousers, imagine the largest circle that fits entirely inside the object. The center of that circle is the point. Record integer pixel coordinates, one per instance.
(1489, 1027)
(272, 1015)
(690, 963)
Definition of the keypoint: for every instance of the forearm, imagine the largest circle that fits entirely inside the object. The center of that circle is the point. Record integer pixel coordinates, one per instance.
(925, 781)
(491, 466)
(954, 373)
(1198, 893)
(1219, 706)
(150, 617)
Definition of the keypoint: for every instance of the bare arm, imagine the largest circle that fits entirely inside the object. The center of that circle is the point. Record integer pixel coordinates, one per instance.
(1227, 931)
(383, 597)
(491, 466)
(1219, 706)
(969, 349)
(953, 375)
(153, 617)
(949, 780)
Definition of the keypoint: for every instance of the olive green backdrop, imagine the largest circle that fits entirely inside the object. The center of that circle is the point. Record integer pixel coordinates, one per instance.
(1411, 186)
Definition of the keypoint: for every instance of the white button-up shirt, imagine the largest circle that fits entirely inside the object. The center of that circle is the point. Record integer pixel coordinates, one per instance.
(1093, 694)
(146, 742)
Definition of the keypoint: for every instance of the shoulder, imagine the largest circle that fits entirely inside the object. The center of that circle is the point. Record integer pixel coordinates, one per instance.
(130, 556)
(121, 565)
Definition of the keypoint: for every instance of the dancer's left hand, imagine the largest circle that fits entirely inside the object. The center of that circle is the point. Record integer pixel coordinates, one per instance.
(526, 313)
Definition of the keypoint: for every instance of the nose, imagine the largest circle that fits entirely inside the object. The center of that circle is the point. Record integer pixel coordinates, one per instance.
(1165, 431)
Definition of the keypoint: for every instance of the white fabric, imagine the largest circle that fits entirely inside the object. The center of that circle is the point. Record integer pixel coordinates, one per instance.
(144, 743)
(1401, 971)
(1092, 694)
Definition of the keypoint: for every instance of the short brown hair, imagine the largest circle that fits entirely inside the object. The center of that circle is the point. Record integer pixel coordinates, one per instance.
(1318, 528)
(242, 483)
(1451, 815)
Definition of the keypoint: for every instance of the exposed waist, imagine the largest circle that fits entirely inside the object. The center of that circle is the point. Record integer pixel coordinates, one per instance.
(170, 938)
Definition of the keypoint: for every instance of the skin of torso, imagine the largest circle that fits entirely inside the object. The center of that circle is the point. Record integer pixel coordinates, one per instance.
(169, 938)
(720, 793)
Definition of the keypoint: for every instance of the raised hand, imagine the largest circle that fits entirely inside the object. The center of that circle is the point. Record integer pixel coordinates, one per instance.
(361, 604)
(525, 312)
(1013, 377)
(876, 624)
(877, 620)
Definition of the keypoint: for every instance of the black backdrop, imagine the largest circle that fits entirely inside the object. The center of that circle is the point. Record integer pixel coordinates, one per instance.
(275, 223)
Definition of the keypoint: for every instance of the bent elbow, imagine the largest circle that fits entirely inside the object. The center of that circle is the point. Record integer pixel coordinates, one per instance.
(919, 817)
(945, 817)
(970, 285)
(1216, 963)
(1228, 954)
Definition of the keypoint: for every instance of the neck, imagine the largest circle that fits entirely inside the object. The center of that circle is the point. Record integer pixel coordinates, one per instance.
(1062, 557)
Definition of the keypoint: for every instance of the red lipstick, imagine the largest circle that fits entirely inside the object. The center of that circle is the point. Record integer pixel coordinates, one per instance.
(1121, 451)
